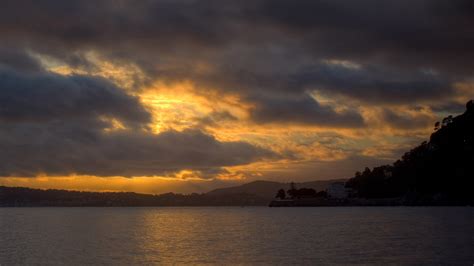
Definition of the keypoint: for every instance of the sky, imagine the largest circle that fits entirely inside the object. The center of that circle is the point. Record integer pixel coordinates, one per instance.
(187, 96)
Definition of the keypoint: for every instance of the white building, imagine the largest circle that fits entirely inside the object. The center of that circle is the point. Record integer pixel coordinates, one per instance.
(338, 190)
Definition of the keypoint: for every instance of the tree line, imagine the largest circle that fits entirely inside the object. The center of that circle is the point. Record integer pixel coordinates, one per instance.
(294, 193)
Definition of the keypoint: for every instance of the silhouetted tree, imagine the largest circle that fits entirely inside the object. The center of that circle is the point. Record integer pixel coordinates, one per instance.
(281, 194)
(306, 193)
(470, 105)
(447, 120)
(366, 171)
(321, 194)
(292, 192)
(295, 193)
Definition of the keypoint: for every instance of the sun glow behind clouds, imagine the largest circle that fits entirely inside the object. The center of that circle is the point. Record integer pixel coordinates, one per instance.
(174, 106)
(185, 105)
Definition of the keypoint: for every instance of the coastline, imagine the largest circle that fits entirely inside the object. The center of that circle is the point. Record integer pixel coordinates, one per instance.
(359, 202)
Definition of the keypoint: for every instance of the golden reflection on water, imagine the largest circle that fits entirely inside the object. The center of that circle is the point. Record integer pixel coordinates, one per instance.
(234, 235)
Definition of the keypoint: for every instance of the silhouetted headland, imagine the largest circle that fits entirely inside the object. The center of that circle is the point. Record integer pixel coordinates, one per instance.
(437, 172)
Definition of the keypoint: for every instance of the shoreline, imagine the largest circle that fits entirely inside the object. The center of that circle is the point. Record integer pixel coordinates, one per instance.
(358, 202)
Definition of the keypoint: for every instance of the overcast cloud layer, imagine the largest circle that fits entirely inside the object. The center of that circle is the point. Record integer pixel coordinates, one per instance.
(276, 55)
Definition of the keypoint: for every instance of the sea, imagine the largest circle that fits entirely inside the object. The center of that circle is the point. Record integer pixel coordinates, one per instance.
(237, 236)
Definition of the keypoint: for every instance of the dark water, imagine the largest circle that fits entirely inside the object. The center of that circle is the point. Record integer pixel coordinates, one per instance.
(227, 235)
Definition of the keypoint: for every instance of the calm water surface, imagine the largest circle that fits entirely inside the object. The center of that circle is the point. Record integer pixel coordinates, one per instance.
(228, 235)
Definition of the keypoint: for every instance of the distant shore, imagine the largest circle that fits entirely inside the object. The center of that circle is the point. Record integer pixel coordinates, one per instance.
(26, 197)
(327, 202)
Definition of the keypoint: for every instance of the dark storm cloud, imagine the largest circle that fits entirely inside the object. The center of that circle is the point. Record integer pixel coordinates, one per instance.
(79, 147)
(302, 110)
(418, 29)
(416, 33)
(57, 125)
(42, 96)
(377, 84)
(18, 59)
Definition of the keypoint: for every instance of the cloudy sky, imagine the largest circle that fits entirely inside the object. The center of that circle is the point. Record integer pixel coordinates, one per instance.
(187, 95)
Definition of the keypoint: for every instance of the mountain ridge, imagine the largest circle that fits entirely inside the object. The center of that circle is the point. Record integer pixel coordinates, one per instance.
(268, 189)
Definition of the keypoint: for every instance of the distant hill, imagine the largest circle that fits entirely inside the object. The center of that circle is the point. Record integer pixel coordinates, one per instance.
(27, 197)
(268, 189)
